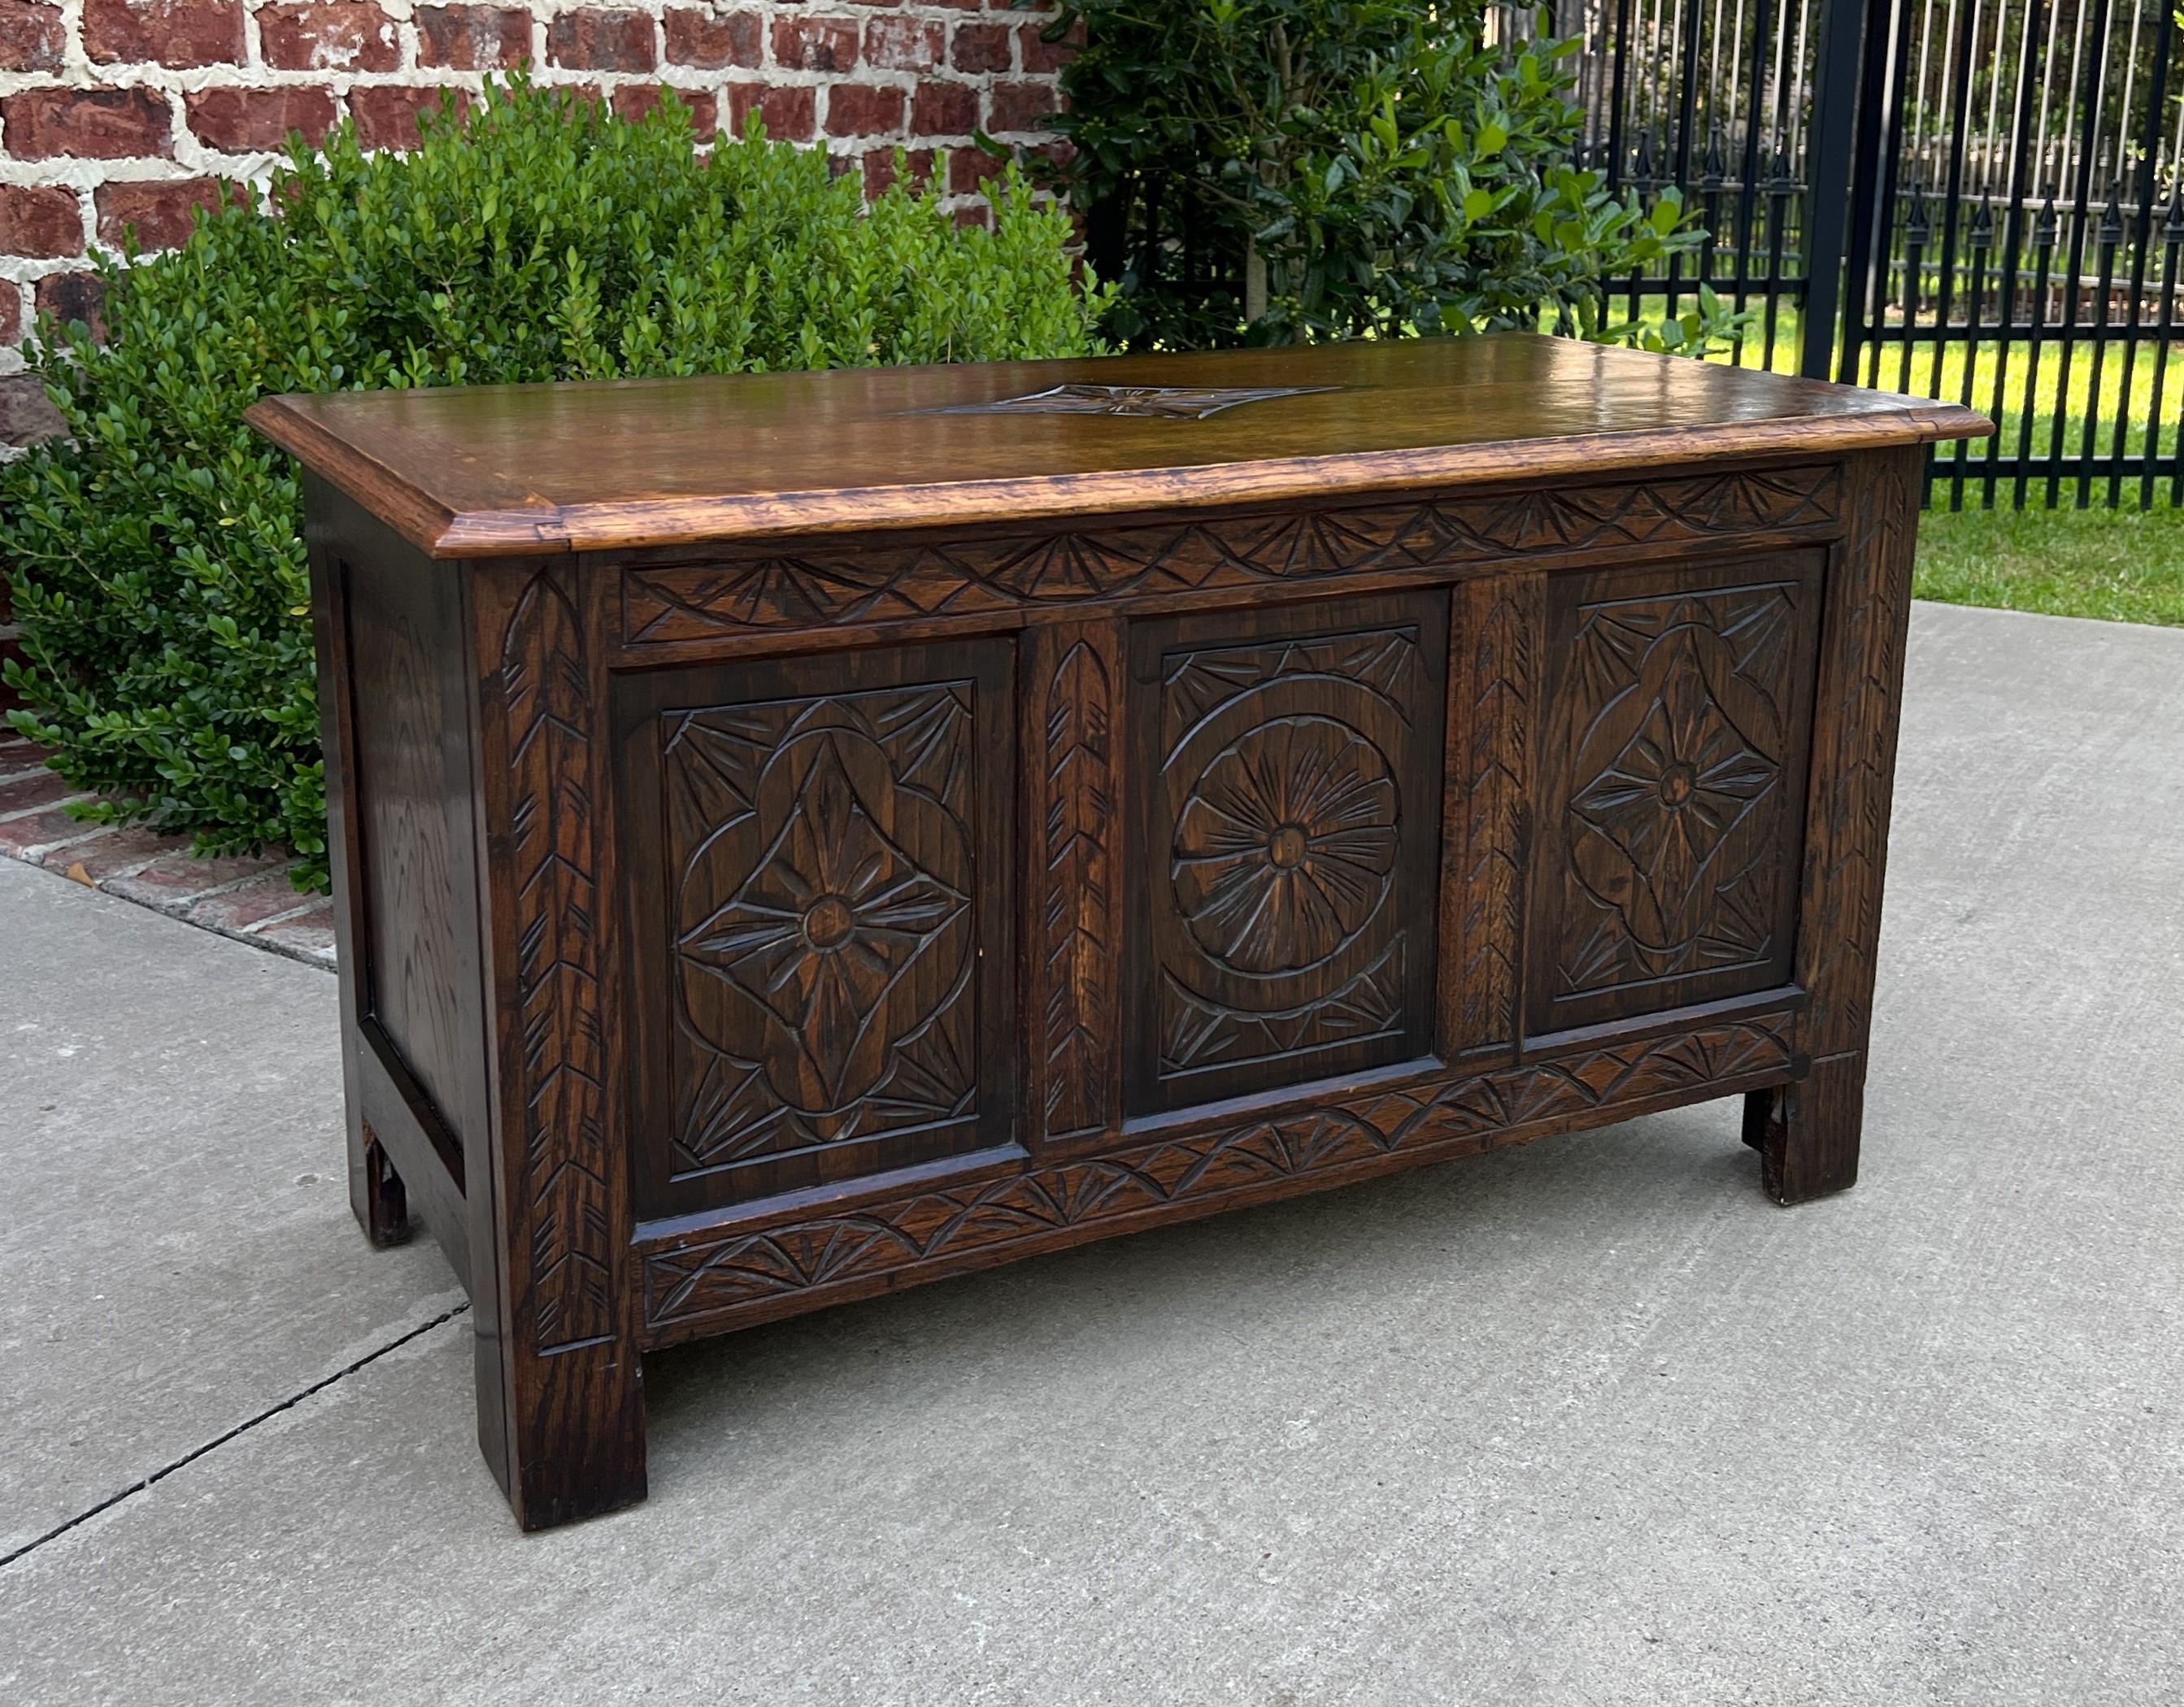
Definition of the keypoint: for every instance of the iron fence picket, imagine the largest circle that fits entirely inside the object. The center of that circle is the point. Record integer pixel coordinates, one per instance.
(1978, 240)
(2142, 233)
(1965, 26)
(2044, 235)
(1747, 199)
(2173, 241)
(2006, 183)
(2109, 237)
(2020, 167)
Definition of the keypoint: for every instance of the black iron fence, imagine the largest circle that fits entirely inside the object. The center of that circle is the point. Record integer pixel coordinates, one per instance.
(1747, 107)
(1961, 198)
(2020, 249)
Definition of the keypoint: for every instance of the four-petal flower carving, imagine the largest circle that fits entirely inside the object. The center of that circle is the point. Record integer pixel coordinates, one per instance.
(1680, 789)
(823, 931)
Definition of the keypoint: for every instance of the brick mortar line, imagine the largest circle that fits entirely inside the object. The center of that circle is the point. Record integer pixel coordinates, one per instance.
(9, 816)
(395, 27)
(251, 936)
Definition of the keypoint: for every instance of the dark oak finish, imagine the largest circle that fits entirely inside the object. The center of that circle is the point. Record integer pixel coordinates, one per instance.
(824, 897)
(1283, 881)
(822, 833)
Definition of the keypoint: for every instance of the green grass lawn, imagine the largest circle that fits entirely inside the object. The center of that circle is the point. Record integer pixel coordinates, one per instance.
(2124, 564)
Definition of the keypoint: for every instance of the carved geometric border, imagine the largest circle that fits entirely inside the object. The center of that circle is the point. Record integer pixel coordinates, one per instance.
(886, 583)
(801, 1263)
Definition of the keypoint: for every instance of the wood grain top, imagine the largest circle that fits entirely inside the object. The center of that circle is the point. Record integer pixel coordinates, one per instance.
(486, 470)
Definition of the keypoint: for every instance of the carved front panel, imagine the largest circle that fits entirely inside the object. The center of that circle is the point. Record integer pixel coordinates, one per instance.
(832, 864)
(1287, 824)
(1677, 747)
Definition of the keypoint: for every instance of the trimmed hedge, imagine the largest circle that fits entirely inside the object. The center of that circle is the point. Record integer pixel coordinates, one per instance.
(155, 554)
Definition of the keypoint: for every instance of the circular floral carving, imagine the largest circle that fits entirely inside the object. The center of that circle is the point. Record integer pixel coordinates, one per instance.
(1286, 845)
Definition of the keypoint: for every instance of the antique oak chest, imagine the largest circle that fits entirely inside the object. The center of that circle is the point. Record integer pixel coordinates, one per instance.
(799, 835)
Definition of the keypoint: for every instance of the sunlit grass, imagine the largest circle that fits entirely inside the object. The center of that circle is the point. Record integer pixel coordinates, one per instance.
(2124, 564)
(2082, 385)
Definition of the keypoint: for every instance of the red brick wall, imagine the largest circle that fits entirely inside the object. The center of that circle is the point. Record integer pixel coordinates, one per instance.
(126, 112)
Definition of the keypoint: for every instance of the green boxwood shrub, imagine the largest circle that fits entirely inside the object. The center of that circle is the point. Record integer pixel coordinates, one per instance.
(155, 556)
(1276, 171)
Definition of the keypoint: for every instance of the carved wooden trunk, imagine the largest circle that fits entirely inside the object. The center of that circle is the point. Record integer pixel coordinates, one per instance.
(802, 835)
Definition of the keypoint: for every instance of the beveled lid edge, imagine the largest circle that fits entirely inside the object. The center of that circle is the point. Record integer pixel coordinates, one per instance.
(668, 521)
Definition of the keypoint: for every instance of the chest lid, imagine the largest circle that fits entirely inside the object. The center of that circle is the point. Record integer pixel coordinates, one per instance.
(487, 470)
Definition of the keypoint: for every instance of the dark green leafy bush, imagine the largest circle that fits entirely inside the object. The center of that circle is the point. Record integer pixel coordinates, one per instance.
(156, 561)
(1264, 171)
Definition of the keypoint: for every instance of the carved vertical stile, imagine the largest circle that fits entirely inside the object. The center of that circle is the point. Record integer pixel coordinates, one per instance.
(575, 1409)
(1808, 1133)
(556, 848)
(1494, 652)
(1071, 724)
(1854, 749)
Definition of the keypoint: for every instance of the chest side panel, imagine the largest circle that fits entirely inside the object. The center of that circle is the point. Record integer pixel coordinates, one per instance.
(419, 976)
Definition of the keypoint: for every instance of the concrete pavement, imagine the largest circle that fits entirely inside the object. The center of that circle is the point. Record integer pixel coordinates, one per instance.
(1588, 1421)
(178, 1252)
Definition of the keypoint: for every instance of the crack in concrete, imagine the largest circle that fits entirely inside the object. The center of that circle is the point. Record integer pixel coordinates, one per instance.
(242, 1428)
